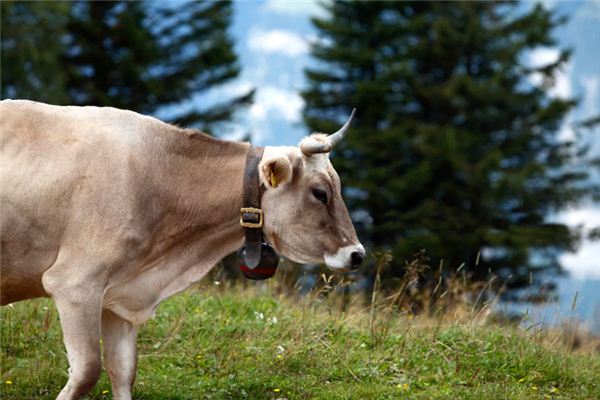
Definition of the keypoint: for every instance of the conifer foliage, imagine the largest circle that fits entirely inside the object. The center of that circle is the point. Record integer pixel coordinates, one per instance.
(30, 65)
(455, 149)
(137, 55)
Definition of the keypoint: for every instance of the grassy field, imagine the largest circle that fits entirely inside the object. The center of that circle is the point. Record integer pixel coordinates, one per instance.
(236, 343)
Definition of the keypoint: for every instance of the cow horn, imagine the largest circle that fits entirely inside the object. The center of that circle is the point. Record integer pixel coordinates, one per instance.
(337, 137)
(327, 143)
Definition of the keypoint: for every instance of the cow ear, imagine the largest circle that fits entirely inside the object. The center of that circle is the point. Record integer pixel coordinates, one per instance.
(275, 171)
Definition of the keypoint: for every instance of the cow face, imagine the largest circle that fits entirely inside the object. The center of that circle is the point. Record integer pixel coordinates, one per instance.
(305, 218)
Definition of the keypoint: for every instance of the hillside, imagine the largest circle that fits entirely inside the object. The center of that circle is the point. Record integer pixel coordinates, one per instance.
(235, 343)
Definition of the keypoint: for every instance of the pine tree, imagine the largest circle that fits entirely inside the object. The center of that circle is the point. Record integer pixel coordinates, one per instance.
(30, 52)
(454, 149)
(138, 55)
(141, 56)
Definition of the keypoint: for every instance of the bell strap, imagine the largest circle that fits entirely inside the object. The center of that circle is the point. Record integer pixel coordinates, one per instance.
(251, 215)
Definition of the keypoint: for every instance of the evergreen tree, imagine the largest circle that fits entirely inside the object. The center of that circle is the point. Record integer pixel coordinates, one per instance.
(138, 55)
(30, 63)
(454, 149)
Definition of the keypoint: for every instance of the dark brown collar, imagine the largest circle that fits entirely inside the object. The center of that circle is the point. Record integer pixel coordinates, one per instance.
(251, 215)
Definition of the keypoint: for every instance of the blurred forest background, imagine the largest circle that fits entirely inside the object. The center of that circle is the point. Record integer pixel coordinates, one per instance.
(454, 152)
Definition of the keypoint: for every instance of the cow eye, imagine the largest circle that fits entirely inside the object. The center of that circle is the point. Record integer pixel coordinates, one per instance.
(320, 195)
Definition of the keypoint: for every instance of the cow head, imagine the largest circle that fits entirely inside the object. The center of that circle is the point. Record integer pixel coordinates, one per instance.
(305, 216)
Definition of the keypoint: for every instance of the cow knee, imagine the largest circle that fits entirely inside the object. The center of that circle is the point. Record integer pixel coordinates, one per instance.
(84, 376)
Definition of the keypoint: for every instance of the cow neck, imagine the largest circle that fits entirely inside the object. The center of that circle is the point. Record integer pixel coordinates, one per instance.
(200, 188)
(251, 214)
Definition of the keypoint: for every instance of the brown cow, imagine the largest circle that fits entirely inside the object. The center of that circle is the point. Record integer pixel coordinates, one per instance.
(109, 212)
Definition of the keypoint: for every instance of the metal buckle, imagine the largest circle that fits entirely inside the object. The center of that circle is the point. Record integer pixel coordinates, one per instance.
(247, 213)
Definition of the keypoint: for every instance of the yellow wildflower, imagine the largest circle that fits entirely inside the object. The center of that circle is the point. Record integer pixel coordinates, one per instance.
(521, 380)
(277, 390)
(279, 356)
(534, 388)
(8, 382)
(105, 392)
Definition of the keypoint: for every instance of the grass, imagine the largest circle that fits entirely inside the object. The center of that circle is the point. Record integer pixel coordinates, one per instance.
(252, 343)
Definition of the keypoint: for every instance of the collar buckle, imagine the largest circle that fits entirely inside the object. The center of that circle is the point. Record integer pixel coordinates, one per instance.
(251, 217)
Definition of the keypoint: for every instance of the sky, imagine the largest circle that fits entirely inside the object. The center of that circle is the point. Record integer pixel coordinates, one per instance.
(273, 42)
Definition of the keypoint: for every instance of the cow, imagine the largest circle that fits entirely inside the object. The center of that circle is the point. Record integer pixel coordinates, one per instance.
(109, 212)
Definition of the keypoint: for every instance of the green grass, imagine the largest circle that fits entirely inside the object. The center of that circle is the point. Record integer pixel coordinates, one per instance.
(249, 344)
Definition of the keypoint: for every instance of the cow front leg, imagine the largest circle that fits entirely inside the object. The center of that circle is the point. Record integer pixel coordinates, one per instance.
(119, 340)
(80, 320)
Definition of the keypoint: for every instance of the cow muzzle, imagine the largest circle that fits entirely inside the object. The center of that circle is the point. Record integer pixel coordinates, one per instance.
(347, 258)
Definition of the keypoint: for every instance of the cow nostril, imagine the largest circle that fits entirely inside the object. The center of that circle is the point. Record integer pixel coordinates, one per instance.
(356, 259)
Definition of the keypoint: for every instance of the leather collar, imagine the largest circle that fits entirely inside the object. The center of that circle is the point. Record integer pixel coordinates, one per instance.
(251, 215)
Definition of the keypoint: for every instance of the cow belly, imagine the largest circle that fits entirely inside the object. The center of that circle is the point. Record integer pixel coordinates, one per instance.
(17, 288)
(27, 251)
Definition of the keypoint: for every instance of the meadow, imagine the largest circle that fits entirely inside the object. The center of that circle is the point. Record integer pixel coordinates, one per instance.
(257, 341)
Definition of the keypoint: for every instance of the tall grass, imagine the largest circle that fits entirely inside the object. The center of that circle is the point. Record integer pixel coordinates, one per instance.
(221, 340)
